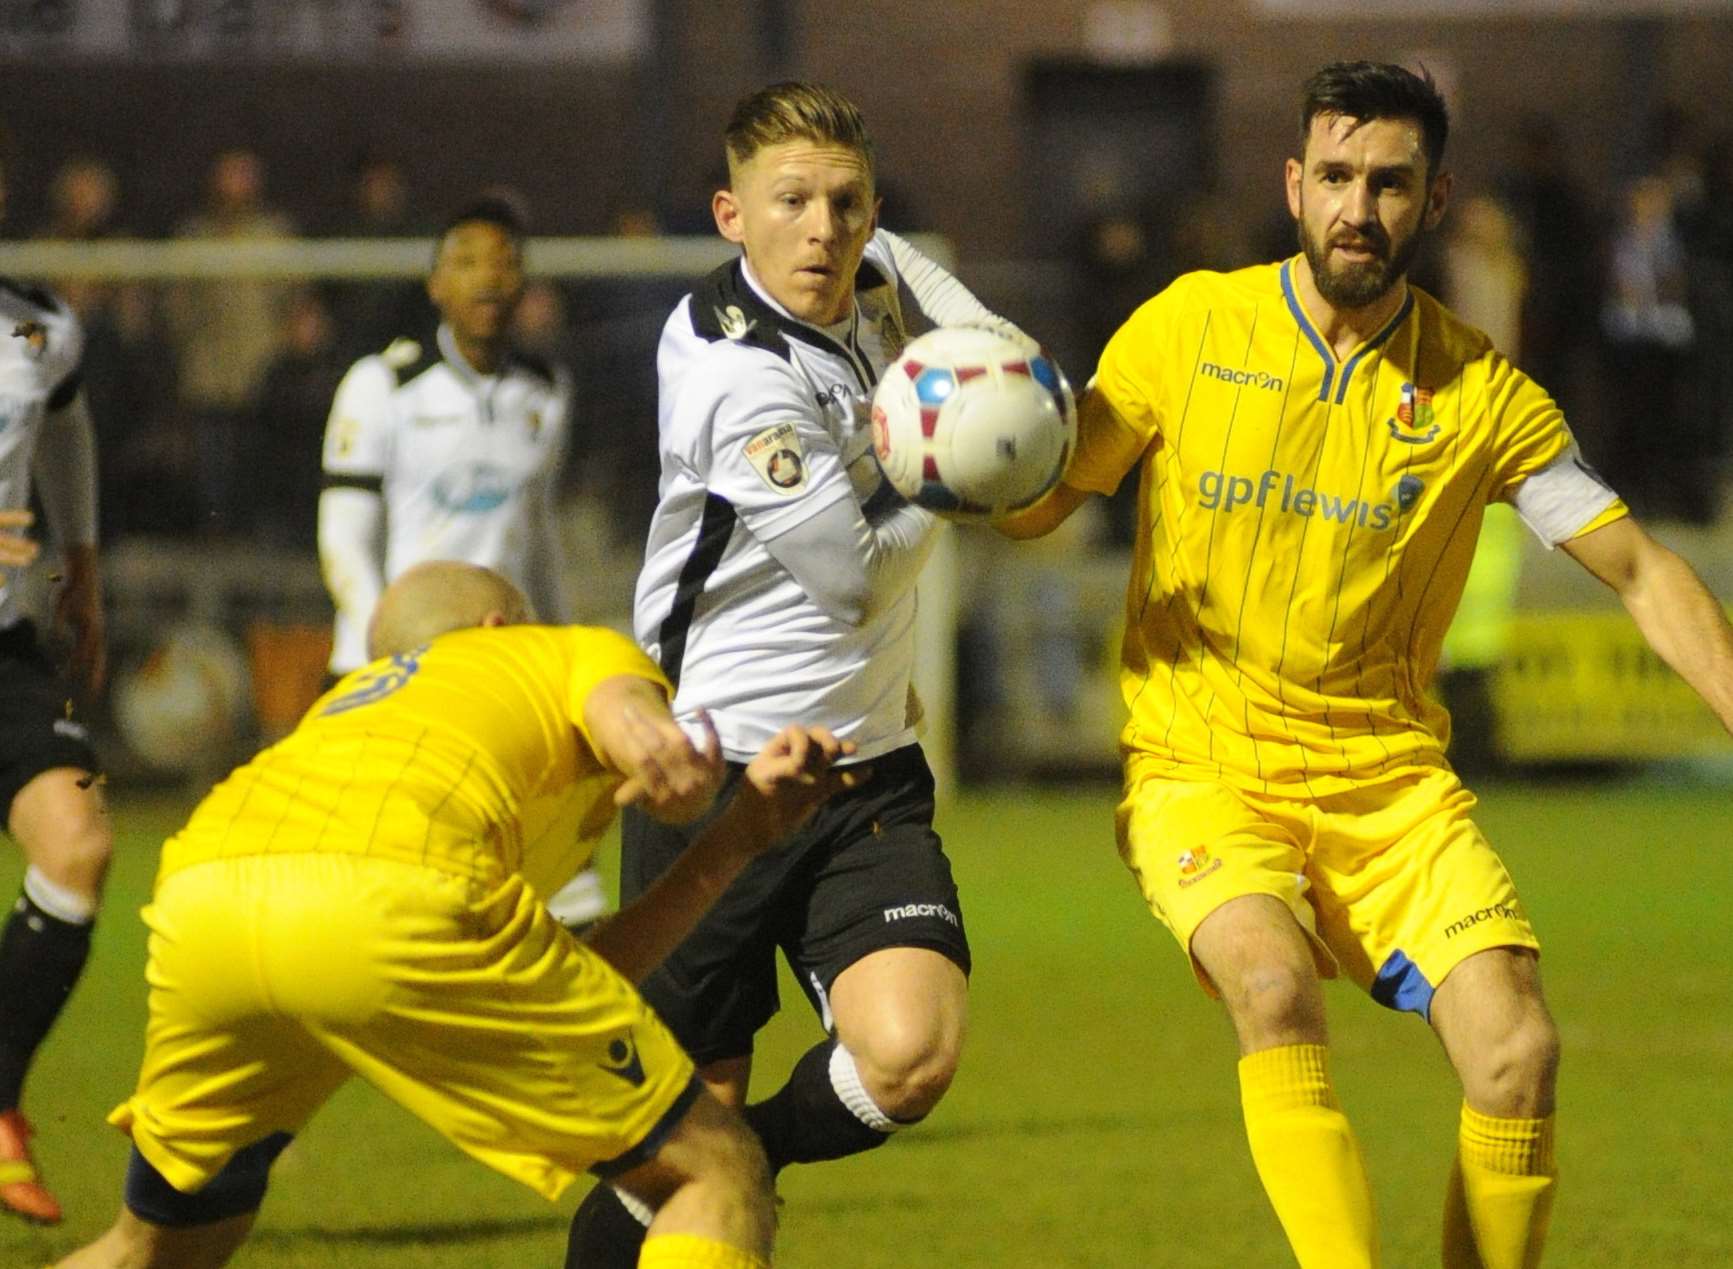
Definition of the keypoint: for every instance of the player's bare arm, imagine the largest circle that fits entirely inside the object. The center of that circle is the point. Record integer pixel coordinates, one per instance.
(78, 616)
(1039, 519)
(667, 775)
(1683, 622)
(17, 549)
(786, 782)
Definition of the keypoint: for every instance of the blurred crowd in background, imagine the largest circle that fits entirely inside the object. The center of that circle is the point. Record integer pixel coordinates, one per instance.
(1618, 299)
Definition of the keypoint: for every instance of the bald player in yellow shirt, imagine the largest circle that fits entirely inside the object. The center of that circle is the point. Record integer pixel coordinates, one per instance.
(362, 899)
(1316, 442)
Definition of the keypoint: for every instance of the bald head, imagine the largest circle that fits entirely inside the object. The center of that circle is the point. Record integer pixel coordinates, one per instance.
(439, 596)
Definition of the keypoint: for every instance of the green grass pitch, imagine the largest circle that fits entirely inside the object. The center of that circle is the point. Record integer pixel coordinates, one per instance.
(1095, 1120)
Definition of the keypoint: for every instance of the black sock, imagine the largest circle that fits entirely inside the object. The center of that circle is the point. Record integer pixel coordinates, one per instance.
(41, 957)
(604, 1234)
(806, 1121)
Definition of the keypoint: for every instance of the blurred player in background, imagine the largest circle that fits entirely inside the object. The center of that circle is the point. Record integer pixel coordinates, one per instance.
(779, 583)
(1318, 441)
(48, 785)
(452, 449)
(360, 899)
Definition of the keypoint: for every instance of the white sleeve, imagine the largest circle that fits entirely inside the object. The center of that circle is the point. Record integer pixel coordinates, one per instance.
(351, 545)
(852, 568)
(352, 505)
(765, 447)
(65, 473)
(944, 300)
(545, 574)
(358, 431)
(1557, 501)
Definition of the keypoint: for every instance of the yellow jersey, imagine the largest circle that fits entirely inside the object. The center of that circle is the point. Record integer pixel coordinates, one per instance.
(1305, 523)
(468, 756)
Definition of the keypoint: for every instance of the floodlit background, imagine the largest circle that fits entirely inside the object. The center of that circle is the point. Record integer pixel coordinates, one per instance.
(236, 195)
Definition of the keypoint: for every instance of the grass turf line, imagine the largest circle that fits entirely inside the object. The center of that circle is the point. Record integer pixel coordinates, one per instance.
(1095, 1120)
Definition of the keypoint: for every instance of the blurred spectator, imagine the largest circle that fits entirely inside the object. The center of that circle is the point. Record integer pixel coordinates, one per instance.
(1485, 276)
(1204, 233)
(1677, 159)
(83, 206)
(1712, 275)
(84, 201)
(369, 314)
(539, 325)
(1119, 264)
(1554, 231)
(128, 367)
(1484, 281)
(1655, 444)
(289, 425)
(382, 207)
(226, 332)
(145, 459)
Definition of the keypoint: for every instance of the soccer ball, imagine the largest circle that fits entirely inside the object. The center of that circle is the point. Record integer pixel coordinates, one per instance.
(182, 709)
(971, 424)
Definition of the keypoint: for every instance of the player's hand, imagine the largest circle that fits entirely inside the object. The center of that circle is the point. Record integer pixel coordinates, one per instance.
(791, 777)
(669, 777)
(17, 550)
(78, 619)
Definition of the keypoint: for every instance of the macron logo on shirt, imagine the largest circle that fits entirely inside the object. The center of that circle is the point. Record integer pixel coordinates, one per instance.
(1242, 378)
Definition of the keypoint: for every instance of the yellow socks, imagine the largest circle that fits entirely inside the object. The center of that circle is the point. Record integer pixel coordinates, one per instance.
(1501, 1191)
(688, 1251)
(1307, 1157)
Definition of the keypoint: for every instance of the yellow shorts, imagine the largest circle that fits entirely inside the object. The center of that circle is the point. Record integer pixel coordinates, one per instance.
(1392, 880)
(275, 977)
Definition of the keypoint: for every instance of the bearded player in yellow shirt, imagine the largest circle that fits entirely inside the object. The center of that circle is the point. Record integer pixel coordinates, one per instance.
(1316, 443)
(362, 898)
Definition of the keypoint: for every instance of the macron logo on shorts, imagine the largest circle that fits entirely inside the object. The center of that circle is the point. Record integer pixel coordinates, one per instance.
(1484, 914)
(921, 910)
(623, 1060)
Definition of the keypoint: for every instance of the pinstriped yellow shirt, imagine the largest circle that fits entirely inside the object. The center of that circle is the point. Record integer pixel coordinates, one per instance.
(1305, 523)
(468, 756)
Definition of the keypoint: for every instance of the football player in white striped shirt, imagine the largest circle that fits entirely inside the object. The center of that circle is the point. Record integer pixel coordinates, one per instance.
(451, 449)
(49, 792)
(779, 584)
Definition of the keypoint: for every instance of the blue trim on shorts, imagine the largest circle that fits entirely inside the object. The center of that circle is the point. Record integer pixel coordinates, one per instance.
(1401, 985)
(235, 1191)
(652, 1142)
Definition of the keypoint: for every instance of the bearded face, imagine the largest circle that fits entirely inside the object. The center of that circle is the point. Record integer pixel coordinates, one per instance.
(1354, 266)
(1362, 200)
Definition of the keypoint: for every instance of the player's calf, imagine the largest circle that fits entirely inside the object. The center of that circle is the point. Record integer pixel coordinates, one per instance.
(709, 1186)
(161, 1227)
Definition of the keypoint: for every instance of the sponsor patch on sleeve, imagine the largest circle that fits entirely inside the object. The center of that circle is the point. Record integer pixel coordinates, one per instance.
(776, 455)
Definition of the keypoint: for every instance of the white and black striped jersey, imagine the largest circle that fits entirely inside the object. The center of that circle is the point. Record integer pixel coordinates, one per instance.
(466, 465)
(41, 357)
(760, 415)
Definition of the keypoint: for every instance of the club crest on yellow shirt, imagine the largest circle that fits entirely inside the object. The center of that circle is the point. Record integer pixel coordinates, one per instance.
(1413, 424)
(1196, 864)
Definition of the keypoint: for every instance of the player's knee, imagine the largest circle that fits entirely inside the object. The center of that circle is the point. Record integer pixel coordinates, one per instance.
(1519, 1069)
(237, 1190)
(907, 1071)
(1275, 1003)
(79, 859)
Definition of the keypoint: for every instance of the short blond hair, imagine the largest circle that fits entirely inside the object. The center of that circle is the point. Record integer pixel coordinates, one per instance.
(436, 597)
(794, 111)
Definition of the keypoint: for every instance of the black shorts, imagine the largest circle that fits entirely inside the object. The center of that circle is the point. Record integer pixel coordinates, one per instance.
(866, 873)
(37, 730)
